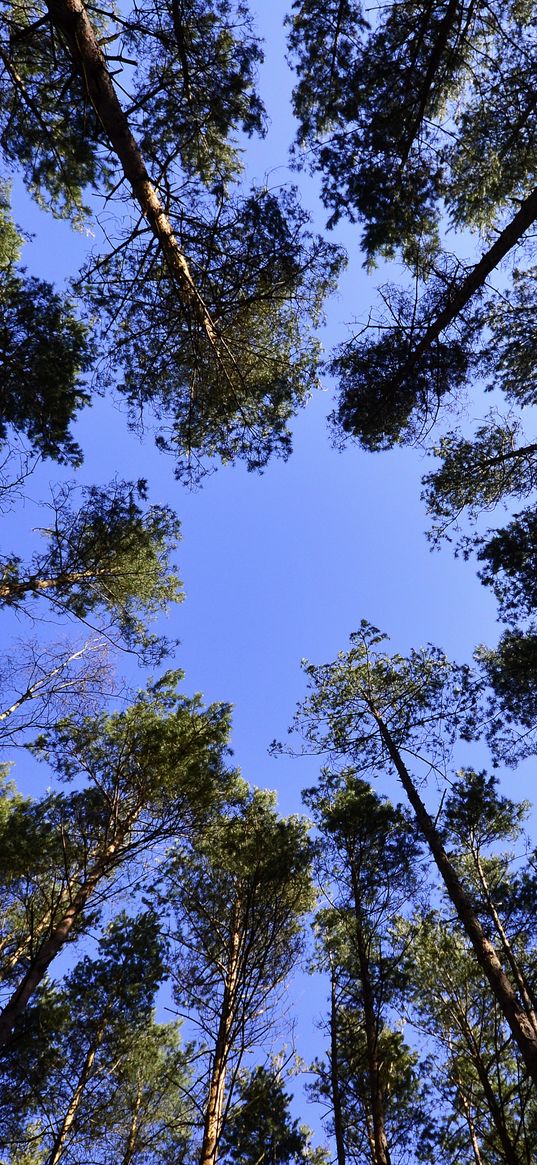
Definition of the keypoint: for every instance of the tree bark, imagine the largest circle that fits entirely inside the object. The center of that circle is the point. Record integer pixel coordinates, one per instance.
(382, 1153)
(471, 1129)
(74, 1103)
(444, 30)
(494, 1107)
(217, 1085)
(335, 1083)
(130, 1147)
(520, 1025)
(71, 20)
(476, 278)
(35, 585)
(60, 934)
(516, 969)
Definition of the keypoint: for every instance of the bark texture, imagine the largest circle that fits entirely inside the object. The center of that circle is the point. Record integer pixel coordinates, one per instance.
(518, 1021)
(71, 21)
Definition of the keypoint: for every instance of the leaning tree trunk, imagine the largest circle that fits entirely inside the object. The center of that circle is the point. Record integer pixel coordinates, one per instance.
(71, 20)
(476, 278)
(76, 1099)
(518, 1021)
(494, 1104)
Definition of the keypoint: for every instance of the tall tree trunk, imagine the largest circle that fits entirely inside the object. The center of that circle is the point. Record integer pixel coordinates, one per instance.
(493, 1104)
(34, 585)
(130, 1147)
(71, 20)
(516, 969)
(520, 1025)
(217, 1085)
(382, 1153)
(335, 1082)
(445, 27)
(471, 1129)
(74, 1103)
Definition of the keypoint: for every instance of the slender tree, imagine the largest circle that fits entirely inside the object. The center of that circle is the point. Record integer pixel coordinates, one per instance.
(238, 899)
(201, 294)
(260, 1130)
(114, 1078)
(367, 868)
(372, 708)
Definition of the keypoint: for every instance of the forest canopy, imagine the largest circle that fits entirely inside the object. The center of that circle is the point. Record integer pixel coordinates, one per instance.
(158, 907)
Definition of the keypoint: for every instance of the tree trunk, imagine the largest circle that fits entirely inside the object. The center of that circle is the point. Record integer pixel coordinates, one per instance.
(471, 1129)
(444, 30)
(130, 1147)
(217, 1084)
(520, 1025)
(74, 1104)
(516, 969)
(382, 1153)
(71, 20)
(494, 1106)
(335, 1083)
(461, 294)
(35, 585)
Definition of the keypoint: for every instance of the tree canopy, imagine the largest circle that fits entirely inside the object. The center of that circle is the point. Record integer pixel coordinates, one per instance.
(155, 905)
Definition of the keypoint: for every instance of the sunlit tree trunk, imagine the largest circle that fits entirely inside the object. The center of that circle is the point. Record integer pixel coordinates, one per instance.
(61, 933)
(74, 1103)
(217, 1085)
(71, 20)
(519, 1023)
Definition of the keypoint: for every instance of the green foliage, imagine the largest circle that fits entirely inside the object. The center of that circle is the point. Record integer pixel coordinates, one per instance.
(420, 116)
(196, 64)
(260, 1128)
(262, 276)
(219, 346)
(479, 1091)
(238, 897)
(164, 752)
(424, 699)
(510, 566)
(478, 473)
(511, 669)
(10, 239)
(48, 128)
(110, 559)
(389, 396)
(510, 354)
(87, 1055)
(44, 350)
(425, 107)
(368, 869)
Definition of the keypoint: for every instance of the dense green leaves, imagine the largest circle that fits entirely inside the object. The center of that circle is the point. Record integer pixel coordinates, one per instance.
(261, 275)
(108, 560)
(413, 105)
(44, 350)
(260, 1126)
